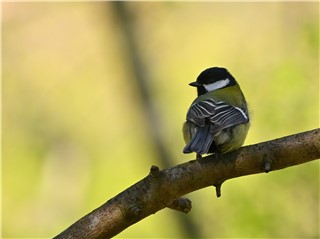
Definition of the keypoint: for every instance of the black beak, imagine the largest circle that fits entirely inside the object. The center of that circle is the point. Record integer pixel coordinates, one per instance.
(195, 84)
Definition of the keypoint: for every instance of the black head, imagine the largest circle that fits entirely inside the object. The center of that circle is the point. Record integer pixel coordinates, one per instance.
(213, 79)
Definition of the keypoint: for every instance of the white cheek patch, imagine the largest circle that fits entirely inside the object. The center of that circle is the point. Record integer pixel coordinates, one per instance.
(217, 85)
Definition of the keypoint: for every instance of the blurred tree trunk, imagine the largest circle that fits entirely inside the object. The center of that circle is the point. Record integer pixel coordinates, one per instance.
(127, 19)
(163, 188)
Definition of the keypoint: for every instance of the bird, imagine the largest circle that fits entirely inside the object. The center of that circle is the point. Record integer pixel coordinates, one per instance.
(218, 119)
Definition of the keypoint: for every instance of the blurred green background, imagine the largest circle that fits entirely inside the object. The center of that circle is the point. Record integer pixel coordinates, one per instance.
(95, 93)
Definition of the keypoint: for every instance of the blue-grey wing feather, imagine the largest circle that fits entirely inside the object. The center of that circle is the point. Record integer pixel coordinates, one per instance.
(211, 117)
(220, 114)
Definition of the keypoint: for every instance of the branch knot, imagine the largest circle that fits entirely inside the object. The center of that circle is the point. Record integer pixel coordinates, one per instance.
(154, 171)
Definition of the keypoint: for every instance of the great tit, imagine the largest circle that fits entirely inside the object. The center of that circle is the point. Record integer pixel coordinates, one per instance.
(218, 119)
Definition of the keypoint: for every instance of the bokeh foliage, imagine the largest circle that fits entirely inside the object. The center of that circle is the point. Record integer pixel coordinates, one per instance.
(73, 125)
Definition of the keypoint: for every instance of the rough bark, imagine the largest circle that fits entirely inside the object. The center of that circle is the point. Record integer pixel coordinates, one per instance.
(163, 188)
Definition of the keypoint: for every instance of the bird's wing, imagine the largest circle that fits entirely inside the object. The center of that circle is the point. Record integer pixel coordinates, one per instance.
(219, 113)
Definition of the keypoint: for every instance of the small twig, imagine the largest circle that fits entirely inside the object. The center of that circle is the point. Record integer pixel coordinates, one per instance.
(181, 204)
(218, 189)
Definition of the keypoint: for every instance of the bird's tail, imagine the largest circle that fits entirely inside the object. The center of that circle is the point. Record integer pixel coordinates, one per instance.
(200, 142)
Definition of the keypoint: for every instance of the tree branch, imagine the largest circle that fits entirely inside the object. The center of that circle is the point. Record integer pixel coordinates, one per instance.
(163, 188)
